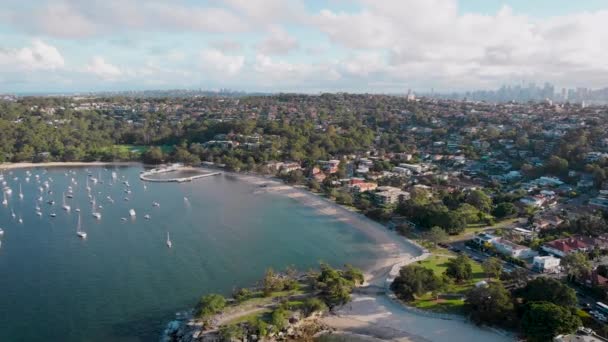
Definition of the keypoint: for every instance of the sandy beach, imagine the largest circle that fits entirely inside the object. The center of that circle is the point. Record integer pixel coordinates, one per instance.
(377, 315)
(11, 166)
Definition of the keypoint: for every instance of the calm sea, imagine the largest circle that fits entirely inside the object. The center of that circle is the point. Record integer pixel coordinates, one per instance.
(122, 283)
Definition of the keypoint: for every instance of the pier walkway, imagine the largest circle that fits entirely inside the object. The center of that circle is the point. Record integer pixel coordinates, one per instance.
(145, 176)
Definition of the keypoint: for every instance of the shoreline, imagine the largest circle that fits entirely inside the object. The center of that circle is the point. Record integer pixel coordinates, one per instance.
(374, 315)
(24, 165)
(369, 313)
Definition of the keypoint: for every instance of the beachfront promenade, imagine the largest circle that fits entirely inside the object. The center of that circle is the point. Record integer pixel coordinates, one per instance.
(145, 176)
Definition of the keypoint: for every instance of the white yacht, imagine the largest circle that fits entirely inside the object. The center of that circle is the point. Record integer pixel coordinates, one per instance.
(4, 200)
(1, 232)
(155, 204)
(65, 206)
(168, 242)
(81, 234)
(20, 192)
(13, 214)
(132, 212)
(95, 213)
(20, 219)
(53, 215)
(147, 217)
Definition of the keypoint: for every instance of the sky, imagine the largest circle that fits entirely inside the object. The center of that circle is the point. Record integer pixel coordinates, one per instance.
(377, 46)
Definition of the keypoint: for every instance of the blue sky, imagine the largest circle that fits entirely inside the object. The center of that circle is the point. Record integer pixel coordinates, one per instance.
(298, 45)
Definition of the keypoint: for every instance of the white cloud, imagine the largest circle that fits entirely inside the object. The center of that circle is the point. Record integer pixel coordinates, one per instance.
(38, 56)
(279, 42)
(227, 46)
(431, 41)
(102, 69)
(376, 45)
(269, 69)
(216, 62)
(80, 19)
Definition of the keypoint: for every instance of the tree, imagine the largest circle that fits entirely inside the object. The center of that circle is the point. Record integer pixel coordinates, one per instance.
(210, 305)
(414, 280)
(271, 282)
(480, 200)
(312, 305)
(335, 285)
(353, 274)
(492, 267)
(344, 198)
(544, 289)
(556, 165)
(154, 155)
(490, 305)
(518, 277)
(504, 209)
(436, 235)
(576, 265)
(231, 332)
(279, 318)
(459, 268)
(542, 321)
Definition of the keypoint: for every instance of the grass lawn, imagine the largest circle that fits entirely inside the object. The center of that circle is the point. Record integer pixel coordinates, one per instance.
(474, 228)
(263, 314)
(139, 149)
(438, 263)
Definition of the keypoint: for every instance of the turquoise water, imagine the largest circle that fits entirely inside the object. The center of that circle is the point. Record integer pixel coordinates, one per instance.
(122, 283)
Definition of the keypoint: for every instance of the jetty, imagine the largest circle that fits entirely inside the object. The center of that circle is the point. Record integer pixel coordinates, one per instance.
(146, 175)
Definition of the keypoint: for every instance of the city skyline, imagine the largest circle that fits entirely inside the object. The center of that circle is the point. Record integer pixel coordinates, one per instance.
(303, 46)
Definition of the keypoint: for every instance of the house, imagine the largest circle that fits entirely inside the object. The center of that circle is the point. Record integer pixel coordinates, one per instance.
(402, 171)
(563, 247)
(546, 264)
(317, 174)
(511, 249)
(547, 222)
(387, 195)
(533, 201)
(363, 187)
(594, 279)
(288, 167)
(484, 238)
(330, 166)
(415, 168)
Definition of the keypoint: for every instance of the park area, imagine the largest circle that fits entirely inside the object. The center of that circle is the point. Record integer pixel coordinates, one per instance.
(450, 299)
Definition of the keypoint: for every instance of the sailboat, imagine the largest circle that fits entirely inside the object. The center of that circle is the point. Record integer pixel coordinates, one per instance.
(81, 234)
(96, 214)
(13, 214)
(20, 219)
(168, 242)
(20, 192)
(4, 200)
(65, 206)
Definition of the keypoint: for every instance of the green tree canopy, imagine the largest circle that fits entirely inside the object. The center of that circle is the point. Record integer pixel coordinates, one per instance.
(490, 305)
(542, 321)
(492, 267)
(544, 289)
(210, 305)
(576, 265)
(414, 280)
(459, 268)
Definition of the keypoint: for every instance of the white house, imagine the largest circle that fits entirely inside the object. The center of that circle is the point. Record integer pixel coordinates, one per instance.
(546, 264)
(513, 250)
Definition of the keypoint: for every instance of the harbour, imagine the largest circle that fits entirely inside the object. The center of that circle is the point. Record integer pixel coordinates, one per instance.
(127, 278)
